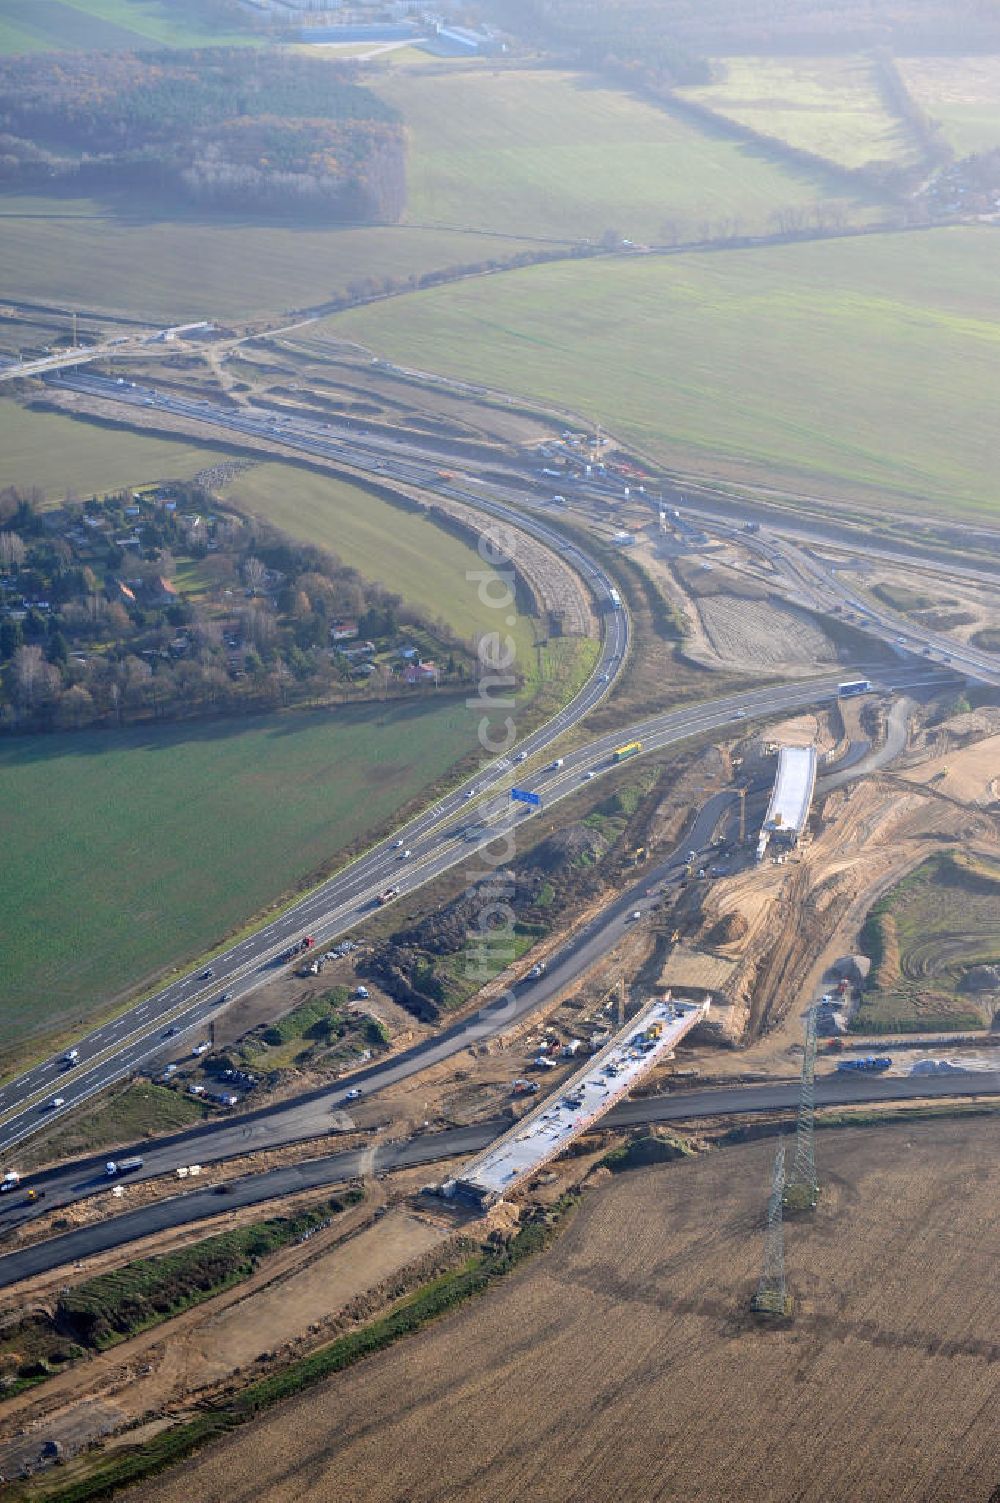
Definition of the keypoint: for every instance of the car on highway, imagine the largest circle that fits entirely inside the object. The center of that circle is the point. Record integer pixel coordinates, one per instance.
(226, 997)
(588, 775)
(353, 1094)
(56, 1103)
(559, 762)
(741, 714)
(171, 1031)
(70, 1058)
(405, 855)
(207, 973)
(634, 916)
(522, 756)
(397, 845)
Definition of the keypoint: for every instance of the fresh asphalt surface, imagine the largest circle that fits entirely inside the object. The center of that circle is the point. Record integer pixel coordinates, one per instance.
(680, 1106)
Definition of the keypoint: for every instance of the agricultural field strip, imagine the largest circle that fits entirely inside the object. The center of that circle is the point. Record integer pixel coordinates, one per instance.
(657, 734)
(845, 318)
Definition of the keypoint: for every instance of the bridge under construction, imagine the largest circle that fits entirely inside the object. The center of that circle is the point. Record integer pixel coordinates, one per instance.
(791, 798)
(586, 1097)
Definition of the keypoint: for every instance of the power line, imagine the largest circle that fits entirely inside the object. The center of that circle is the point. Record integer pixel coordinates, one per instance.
(771, 1298)
(802, 1190)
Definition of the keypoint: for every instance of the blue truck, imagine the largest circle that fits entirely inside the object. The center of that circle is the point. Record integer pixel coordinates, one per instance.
(870, 1064)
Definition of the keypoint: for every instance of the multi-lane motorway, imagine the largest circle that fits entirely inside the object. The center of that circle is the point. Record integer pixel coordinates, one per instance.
(437, 840)
(121, 1046)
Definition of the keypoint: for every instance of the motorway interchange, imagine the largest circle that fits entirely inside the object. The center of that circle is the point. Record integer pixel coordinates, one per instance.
(120, 1047)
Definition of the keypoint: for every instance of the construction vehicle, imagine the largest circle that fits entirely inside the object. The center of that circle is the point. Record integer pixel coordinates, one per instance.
(123, 1166)
(870, 1064)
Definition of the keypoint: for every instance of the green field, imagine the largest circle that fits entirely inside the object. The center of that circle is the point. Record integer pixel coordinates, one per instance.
(830, 106)
(962, 93)
(560, 154)
(407, 553)
(173, 268)
(103, 25)
(125, 852)
(865, 366)
(61, 454)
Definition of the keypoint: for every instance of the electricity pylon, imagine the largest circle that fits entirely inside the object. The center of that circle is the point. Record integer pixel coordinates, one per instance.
(801, 1190)
(771, 1298)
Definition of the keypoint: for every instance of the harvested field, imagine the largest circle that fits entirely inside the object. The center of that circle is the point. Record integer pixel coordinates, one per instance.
(621, 1363)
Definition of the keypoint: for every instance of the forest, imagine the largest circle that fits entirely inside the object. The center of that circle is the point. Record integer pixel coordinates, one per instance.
(221, 125)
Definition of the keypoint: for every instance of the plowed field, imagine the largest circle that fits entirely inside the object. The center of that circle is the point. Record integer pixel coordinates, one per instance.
(620, 1364)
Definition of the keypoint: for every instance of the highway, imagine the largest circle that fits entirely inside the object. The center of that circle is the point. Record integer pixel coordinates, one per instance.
(322, 1111)
(432, 1148)
(815, 583)
(437, 841)
(121, 1046)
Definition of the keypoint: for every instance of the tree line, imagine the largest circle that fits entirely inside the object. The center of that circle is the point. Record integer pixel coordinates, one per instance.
(223, 125)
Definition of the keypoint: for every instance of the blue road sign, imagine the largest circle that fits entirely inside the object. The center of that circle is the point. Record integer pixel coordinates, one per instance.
(524, 797)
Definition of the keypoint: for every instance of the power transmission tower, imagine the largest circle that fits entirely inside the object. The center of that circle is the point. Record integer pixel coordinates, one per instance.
(771, 1298)
(802, 1189)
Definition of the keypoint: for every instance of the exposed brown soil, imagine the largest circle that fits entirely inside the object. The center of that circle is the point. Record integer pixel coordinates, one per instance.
(623, 1364)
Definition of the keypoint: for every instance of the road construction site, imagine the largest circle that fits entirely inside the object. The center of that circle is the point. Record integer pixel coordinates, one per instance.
(698, 950)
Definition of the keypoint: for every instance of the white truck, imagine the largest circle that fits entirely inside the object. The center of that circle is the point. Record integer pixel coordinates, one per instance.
(10, 1181)
(123, 1166)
